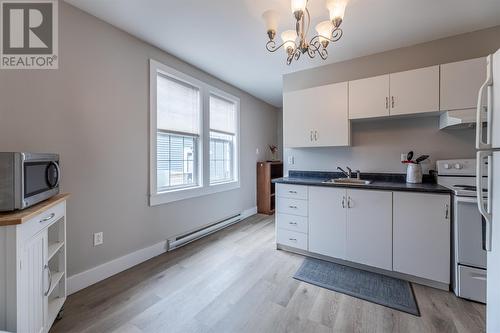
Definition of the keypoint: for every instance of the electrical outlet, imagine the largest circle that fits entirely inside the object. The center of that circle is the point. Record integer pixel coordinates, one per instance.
(291, 160)
(403, 157)
(98, 238)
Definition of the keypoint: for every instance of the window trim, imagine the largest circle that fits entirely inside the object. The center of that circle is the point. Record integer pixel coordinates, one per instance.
(204, 187)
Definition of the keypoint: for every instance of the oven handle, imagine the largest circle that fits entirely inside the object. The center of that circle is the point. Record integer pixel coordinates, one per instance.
(466, 199)
(484, 209)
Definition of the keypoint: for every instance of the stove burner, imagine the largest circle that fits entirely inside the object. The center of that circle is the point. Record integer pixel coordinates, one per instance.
(468, 188)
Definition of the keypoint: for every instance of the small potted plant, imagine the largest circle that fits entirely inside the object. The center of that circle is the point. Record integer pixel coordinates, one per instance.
(274, 151)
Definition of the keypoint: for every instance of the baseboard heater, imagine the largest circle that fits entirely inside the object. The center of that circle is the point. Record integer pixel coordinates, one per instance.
(184, 239)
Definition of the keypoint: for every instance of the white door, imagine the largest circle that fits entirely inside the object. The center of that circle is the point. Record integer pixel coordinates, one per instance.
(415, 91)
(369, 98)
(493, 279)
(369, 228)
(421, 234)
(327, 221)
(460, 82)
(317, 117)
(32, 309)
(330, 115)
(297, 120)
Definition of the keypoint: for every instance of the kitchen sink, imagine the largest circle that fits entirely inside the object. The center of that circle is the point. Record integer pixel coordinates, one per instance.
(349, 181)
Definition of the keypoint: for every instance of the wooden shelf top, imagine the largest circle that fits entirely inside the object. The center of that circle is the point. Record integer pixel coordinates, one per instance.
(21, 216)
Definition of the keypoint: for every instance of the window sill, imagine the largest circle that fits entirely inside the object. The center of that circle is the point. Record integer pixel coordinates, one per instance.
(191, 192)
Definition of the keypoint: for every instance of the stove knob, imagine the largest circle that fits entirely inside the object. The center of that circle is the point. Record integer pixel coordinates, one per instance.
(458, 166)
(446, 166)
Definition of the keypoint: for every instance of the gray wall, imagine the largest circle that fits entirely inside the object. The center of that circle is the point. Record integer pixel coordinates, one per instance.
(94, 111)
(377, 144)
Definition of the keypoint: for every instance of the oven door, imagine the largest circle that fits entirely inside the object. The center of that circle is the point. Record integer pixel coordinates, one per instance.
(41, 176)
(469, 224)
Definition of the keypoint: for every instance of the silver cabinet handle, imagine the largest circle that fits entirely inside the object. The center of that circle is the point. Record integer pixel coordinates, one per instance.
(47, 268)
(292, 223)
(311, 135)
(387, 102)
(343, 202)
(315, 135)
(447, 212)
(293, 207)
(349, 203)
(292, 239)
(50, 217)
(293, 192)
(392, 101)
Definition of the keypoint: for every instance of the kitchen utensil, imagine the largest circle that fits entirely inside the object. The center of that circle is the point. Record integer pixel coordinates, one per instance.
(409, 156)
(414, 173)
(421, 158)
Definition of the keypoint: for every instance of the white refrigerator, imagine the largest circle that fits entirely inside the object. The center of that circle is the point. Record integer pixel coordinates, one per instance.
(488, 145)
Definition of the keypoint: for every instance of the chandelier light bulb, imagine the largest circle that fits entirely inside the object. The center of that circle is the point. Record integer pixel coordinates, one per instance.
(289, 37)
(271, 19)
(324, 30)
(298, 6)
(337, 10)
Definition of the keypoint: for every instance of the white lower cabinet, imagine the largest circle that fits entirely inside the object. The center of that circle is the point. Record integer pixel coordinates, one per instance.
(33, 271)
(369, 228)
(404, 232)
(327, 221)
(422, 235)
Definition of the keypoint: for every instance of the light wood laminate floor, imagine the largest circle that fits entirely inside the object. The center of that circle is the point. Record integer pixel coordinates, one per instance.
(236, 281)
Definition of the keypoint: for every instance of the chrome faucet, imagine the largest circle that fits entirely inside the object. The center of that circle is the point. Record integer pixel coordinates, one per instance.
(347, 174)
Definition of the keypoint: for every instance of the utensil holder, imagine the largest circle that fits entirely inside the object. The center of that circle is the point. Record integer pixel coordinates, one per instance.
(414, 173)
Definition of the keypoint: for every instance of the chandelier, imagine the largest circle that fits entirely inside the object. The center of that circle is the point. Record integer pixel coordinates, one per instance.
(328, 31)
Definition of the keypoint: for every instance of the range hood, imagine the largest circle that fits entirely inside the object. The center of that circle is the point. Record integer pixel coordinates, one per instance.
(459, 119)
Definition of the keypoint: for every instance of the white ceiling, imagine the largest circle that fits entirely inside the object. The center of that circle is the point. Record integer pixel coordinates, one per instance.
(226, 38)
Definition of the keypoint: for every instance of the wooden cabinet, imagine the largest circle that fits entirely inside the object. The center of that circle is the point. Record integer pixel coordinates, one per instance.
(33, 266)
(369, 228)
(327, 221)
(266, 172)
(369, 98)
(422, 235)
(316, 117)
(460, 83)
(415, 91)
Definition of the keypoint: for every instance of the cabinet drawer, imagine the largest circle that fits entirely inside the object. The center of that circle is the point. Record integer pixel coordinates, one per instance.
(291, 191)
(42, 221)
(291, 238)
(472, 283)
(292, 222)
(292, 206)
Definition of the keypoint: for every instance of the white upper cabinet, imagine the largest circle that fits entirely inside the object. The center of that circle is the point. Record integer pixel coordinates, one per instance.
(317, 117)
(422, 235)
(327, 221)
(369, 228)
(460, 83)
(369, 98)
(415, 91)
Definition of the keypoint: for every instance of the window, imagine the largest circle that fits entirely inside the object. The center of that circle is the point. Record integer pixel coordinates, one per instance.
(222, 140)
(194, 137)
(178, 130)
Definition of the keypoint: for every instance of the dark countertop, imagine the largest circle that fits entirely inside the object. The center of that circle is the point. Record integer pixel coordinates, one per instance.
(387, 182)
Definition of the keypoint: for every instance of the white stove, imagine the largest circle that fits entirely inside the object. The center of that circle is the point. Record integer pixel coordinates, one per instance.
(459, 176)
(469, 256)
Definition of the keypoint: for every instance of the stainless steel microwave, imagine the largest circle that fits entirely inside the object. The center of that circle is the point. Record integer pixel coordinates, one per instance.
(27, 179)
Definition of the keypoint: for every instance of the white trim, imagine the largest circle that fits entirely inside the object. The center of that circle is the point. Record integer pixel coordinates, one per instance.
(96, 274)
(204, 187)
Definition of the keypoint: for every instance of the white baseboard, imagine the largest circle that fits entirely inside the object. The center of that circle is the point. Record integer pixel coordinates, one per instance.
(96, 274)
